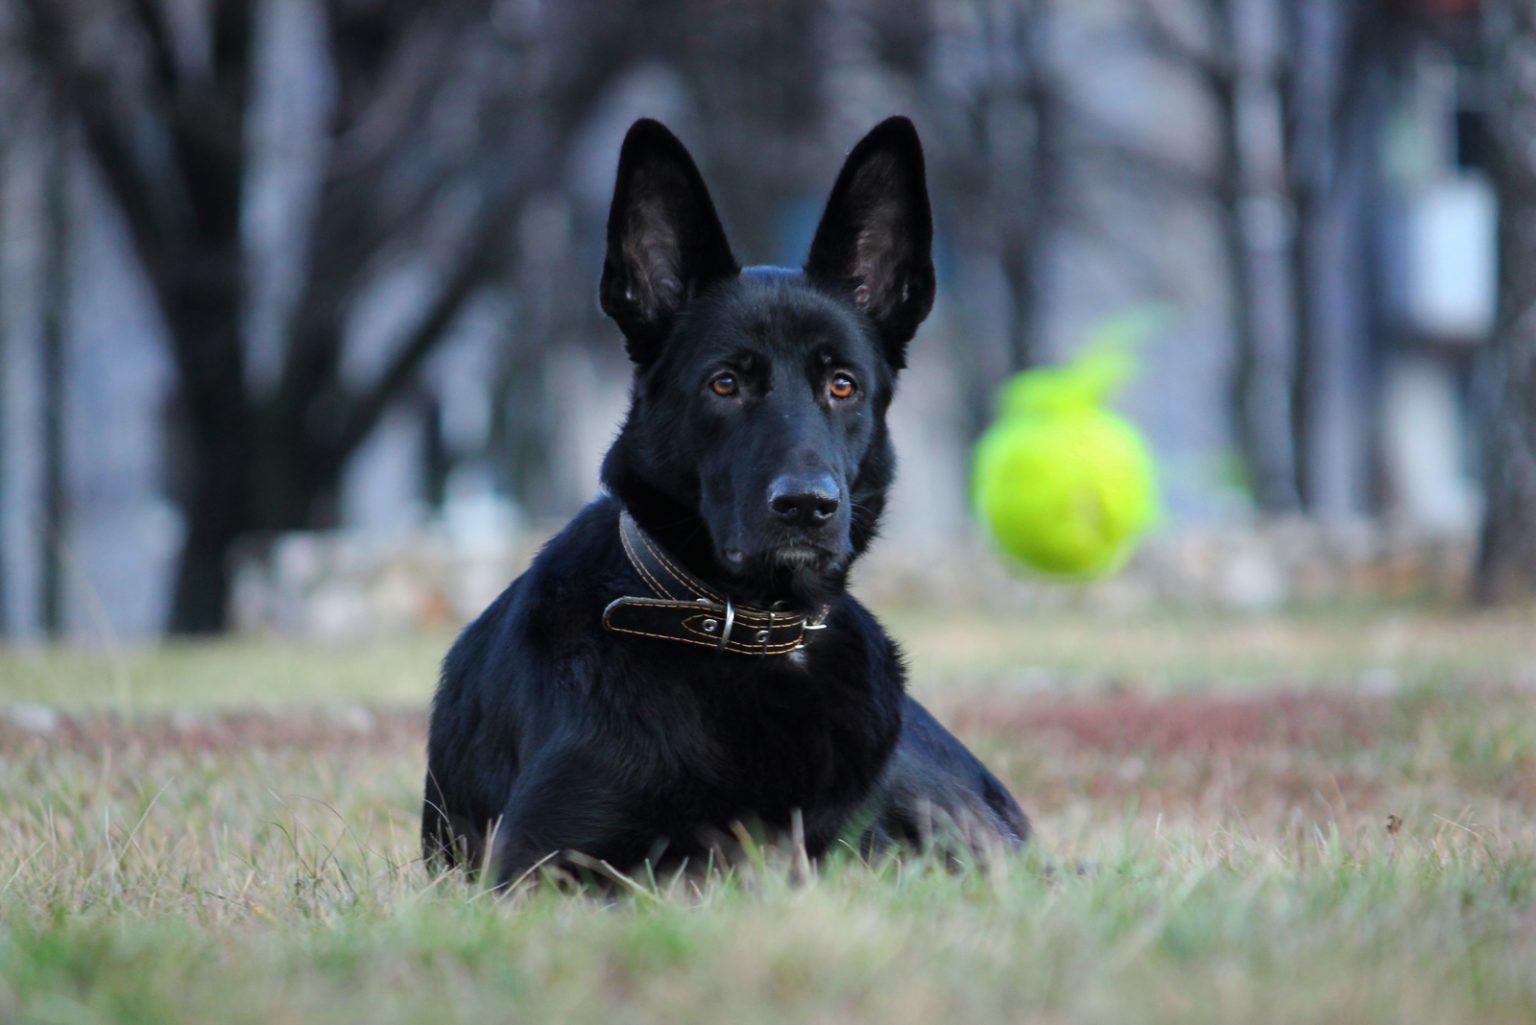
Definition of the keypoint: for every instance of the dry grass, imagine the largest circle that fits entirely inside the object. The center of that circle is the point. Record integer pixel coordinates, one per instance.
(1335, 835)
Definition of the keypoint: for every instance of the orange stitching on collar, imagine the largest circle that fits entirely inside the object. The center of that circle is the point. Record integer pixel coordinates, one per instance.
(639, 565)
(686, 579)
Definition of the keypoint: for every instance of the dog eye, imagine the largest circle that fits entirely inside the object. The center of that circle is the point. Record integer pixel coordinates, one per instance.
(843, 386)
(724, 385)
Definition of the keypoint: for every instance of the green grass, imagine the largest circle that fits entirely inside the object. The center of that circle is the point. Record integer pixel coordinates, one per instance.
(224, 674)
(951, 650)
(222, 834)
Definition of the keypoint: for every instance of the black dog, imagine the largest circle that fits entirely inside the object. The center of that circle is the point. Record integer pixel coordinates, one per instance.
(682, 658)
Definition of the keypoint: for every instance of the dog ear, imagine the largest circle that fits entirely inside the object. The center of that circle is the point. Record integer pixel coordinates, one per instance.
(875, 239)
(665, 242)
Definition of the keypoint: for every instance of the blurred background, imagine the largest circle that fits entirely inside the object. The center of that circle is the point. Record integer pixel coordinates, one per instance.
(298, 329)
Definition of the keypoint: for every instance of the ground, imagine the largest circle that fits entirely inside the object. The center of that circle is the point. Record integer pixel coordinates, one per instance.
(1322, 815)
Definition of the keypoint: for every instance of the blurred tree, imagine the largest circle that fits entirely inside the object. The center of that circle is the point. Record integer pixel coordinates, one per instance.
(5, 618)
(551, 305)
(740, 117)
(1334, 101)
(997, 111)
(53, 367)
(10, 96)
(442, 119)
(1232, 51)
(1015, 116)
(1309, 70)
(1297, 108)
(1506, 562)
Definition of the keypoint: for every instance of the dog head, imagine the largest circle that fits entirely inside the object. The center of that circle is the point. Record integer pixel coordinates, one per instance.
(755, 442)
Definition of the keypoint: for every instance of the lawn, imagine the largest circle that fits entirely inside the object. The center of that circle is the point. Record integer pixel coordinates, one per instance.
(1325, 815)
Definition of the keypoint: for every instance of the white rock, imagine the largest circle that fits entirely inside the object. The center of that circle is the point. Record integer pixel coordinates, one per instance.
(30, 717)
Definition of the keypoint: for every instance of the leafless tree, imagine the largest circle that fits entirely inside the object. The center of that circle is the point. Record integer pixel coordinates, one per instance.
(443, 118)
(1296, 108)
(1232, 51)
(9, 102)
(1506, 563)
(53, 367)
(1003, 159)
(1333, 87)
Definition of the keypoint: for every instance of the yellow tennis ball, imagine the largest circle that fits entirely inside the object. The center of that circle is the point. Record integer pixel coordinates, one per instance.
(1063, 485)
(1066, 494)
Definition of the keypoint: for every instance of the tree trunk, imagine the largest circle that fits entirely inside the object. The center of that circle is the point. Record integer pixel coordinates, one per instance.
(1333, 111)
(1506, 560)
(5, 616)
(1309, 153)
(6, 126)
(216, 498)
(1020, 271)
(1306, 375)
(1329, 408)
(55, 311)
(1253, 232)
(1027, 236)
(214, 509)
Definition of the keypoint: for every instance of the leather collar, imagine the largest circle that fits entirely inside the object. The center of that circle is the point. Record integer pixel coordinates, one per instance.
(685, 609)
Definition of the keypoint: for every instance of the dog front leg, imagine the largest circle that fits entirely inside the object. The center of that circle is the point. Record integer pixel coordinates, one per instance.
(565, 803)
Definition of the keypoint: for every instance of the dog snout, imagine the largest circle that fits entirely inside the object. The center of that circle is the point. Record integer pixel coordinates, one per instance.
(804, 499)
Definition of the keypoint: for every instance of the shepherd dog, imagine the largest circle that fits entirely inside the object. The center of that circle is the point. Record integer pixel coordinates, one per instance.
(682, 665)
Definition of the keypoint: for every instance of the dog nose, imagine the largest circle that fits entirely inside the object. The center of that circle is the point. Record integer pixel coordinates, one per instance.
(804, 499)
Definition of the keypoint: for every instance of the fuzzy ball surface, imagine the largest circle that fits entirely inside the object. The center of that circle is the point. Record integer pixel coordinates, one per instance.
(1064, 485)
(1067, 495)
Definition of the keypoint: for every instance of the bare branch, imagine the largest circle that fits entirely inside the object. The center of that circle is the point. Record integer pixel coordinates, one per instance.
(1146, 166)
(413, 69)
(365, 207)
(1112, 147)
(1160, 36)
(363, 204)
(475, 262)
(152, 212)
(151, 18)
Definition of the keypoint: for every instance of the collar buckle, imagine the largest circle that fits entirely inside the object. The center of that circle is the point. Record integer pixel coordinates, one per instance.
(712, 625)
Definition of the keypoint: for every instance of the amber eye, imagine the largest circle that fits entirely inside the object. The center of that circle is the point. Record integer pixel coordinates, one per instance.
(842, 386)
(723, 385)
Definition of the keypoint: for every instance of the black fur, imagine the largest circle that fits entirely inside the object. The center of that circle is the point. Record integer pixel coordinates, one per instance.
(742, 458)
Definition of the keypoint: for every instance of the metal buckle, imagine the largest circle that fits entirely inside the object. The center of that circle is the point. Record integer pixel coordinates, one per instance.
(730, 621)
(710, 625)
(808, 626)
